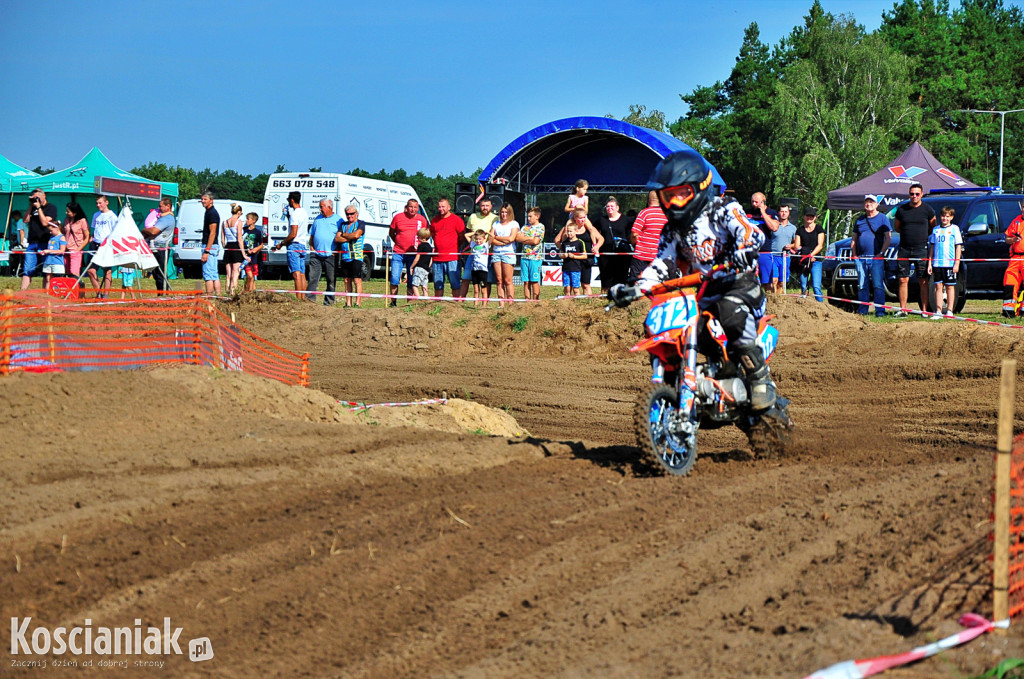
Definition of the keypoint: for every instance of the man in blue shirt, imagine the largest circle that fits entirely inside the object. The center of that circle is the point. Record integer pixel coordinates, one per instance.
(321, 235)
(780, 238)
(871, 235)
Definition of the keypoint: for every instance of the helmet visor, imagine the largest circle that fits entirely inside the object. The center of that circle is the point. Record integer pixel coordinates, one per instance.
(676, 196)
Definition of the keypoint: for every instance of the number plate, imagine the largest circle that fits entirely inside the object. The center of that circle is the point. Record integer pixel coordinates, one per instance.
(847, 273)
(190, 245)
(675, 313)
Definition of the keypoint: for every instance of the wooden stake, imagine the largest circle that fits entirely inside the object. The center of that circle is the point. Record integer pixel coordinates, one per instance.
(1004, 448)
(5, 332)
(196, 338)
(50, 343)
(215, 329)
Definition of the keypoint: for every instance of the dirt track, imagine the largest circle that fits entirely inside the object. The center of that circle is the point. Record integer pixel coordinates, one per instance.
(302, 540)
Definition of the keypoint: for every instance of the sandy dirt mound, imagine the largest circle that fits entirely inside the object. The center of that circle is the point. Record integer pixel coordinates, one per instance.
(303, 538)
(456, 415)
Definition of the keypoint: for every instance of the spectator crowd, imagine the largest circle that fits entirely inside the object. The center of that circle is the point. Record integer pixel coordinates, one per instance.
(478, 255)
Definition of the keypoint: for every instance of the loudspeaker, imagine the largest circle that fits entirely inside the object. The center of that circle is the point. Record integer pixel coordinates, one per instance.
(465, 194)
(795, 212)
(496, 194)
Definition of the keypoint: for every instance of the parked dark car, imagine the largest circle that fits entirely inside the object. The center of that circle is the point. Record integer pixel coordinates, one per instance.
(983, 217)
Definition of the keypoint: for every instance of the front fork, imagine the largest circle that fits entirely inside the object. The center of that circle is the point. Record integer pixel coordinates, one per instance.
(687, 382)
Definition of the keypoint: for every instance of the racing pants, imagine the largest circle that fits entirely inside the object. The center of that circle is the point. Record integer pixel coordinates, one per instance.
(1013, 280)
(738, 304)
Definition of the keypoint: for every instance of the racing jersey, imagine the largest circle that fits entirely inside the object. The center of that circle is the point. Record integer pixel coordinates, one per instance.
(719, 231)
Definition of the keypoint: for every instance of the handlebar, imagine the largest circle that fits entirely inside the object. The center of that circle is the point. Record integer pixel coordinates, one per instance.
(665, 287)
(690, 280)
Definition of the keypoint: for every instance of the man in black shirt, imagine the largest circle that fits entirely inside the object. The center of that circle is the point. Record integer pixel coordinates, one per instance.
(914, 222)
(39, 215)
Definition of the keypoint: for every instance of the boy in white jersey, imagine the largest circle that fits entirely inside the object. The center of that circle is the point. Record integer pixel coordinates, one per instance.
(944, 248)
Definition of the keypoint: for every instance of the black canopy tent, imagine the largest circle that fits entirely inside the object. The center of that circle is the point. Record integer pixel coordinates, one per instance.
(890, 184)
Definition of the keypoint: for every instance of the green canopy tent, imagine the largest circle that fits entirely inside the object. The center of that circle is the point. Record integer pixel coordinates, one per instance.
(78, 183)
(12, 176)
(69, 184)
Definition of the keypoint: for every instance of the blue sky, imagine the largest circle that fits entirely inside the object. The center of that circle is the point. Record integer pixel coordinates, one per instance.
(438, 87)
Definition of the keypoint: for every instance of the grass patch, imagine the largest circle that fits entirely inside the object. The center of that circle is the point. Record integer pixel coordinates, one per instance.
(548, 332)
(1011, 668)
(461, 323)
(519, 324)
(479, 431)
(436, 311)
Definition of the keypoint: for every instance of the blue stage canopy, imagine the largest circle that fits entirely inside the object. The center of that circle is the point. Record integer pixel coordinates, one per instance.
(613, 156)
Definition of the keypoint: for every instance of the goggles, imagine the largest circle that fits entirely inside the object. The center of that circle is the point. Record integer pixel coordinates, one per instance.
(676, 196)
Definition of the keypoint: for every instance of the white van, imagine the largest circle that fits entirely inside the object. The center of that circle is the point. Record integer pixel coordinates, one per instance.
(189, 241)
(377, 202)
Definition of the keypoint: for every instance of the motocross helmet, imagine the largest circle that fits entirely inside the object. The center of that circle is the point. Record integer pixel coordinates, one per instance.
(683, 183)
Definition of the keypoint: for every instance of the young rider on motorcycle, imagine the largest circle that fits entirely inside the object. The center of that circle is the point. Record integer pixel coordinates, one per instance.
(703, 230)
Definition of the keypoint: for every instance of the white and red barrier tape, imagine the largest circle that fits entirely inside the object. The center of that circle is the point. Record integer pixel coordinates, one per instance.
(430, 298)
(858, 669)
(922, 314)
(356, 406)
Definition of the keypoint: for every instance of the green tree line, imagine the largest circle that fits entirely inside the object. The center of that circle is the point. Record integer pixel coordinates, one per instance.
(238, 186)
(825, 106)
(831, 102)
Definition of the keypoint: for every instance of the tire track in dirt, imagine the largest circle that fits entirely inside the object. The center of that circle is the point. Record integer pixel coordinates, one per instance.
(309, 545)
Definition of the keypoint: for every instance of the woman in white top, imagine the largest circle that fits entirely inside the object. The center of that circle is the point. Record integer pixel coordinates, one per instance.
(503, 252)
(231, 238)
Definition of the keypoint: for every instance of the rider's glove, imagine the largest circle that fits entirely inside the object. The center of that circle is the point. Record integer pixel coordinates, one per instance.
(624, 295)
(744, 258)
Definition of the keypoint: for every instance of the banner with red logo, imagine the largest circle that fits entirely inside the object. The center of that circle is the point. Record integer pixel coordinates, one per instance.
(125, 246)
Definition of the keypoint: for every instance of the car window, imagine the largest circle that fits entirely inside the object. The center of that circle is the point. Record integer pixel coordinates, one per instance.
(958, 208)
(983, 213)
(1009, 209)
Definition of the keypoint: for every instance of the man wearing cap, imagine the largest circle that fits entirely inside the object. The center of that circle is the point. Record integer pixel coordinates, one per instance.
(914, 223)
(871, 237)
(1014, 276)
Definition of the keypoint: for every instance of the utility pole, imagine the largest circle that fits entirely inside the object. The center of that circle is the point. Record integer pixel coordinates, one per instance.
(1002, 130)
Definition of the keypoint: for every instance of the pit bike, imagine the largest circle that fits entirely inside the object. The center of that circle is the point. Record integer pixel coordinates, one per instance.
(694, 381)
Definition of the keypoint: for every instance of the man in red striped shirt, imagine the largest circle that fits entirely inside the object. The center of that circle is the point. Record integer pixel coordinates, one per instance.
(646, 236)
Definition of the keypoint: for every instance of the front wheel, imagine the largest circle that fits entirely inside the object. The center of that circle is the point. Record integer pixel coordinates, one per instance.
(665, 444)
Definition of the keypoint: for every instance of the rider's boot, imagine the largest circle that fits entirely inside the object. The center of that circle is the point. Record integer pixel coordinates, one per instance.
(762, 388)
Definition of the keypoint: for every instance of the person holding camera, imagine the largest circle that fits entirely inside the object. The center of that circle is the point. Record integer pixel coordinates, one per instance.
(38, 217)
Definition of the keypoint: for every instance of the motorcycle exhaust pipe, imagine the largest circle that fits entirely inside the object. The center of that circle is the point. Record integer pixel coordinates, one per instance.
(711, 390)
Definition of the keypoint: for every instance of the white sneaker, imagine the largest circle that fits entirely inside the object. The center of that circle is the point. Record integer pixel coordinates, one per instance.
(949, 314)
(936, 317)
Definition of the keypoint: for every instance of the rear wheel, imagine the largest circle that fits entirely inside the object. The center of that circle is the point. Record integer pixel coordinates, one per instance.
(368, 263)
(664, 444)
(769, 434)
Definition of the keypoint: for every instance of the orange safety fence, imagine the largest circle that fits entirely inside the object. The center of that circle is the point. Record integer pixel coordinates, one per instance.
(41, 333)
